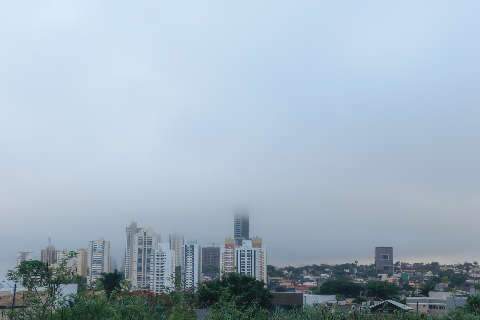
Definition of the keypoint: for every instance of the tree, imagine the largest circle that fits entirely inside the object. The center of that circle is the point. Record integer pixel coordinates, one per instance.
(178, 277)
(427, 287)
(457, 280)
(473, 304)
(180, 305)
(111, 282)
(32, 274)
(118, 307)
(43, 288)
(182, 312)
(228, 310)
(341, 286)
(272, 271)
(382, 289)
(242, 290)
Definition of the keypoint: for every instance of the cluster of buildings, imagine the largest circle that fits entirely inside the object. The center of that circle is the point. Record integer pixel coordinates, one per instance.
(88, 263)
(429, 288)
(159, 265)
(75, 261)
(243, 254)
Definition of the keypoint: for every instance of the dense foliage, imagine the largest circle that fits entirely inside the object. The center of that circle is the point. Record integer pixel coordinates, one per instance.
(234, 297)
(473, 304)
(111, 282)
(382, 290)
(99, 307)
(42, 284)
(342, 287)
(241, 290)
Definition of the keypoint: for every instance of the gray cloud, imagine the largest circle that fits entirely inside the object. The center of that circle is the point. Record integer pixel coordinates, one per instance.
(341, 126)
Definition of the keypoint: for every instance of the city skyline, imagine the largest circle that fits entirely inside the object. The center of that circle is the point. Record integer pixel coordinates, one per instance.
(166, 239)
(345, 123)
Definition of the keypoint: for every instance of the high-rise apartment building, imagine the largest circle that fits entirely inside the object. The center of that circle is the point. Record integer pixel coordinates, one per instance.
(192, 266)
(82, 262)
(211, 262)
(241, 226)
(177, 244)
(227, 257)
(98, 260)
(384, 260)
(162, 278)
(129, 263)
(250, 260)
(145, 242)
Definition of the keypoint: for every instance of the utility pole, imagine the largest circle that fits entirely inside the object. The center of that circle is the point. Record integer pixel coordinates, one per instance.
(14, 295)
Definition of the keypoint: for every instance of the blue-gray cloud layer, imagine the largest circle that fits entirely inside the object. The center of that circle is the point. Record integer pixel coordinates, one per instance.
(341, 125)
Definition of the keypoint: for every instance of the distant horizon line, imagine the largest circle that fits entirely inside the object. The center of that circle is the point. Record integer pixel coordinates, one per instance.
(442, 260)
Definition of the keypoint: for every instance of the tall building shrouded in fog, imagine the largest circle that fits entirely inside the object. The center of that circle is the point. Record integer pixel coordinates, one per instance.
(49, 254)
(98, 260)
(129, 263)
(384, 260)
(177, 244)
(241, 226)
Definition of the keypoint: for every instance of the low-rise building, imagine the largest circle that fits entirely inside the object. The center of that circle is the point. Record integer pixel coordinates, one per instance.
(436, 303)
(390, 306)
(318, 299)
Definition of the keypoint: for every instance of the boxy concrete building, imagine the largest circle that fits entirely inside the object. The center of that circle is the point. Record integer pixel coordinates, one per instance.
(384, 260)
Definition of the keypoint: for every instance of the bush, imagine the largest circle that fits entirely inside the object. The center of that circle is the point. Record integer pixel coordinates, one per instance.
(242, 290)
(120, 307)
(343, 287)
(382, 290)
(228, 310)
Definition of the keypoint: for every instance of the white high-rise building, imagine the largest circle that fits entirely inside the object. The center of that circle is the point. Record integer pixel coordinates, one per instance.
(162, 278)
(145, 242)
(192, 265)
(250, 259)
(129, 263)
(98, 260)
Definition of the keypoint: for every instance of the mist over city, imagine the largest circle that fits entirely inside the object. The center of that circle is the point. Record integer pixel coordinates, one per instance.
(336, 127)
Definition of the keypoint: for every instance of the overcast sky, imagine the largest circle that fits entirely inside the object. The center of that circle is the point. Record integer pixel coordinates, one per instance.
(341, 125)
